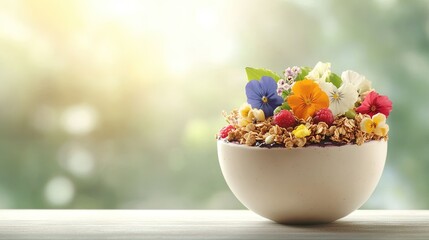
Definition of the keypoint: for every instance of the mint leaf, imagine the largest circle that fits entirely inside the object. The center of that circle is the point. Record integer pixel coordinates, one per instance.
(303, 74)
(258, 73)
(335, 79)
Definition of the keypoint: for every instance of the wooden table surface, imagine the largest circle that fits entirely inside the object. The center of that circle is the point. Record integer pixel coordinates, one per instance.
(204, 224)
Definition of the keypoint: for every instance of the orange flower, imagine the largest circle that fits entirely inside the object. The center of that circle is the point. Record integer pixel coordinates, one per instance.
(307, 99)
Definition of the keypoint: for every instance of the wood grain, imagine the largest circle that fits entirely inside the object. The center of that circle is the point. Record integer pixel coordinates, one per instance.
(204, 224)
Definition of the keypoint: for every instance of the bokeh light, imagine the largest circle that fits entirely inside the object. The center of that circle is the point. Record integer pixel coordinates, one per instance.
(115, 104)
(59, 191)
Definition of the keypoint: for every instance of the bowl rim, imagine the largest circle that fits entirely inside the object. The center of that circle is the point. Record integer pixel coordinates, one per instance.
(257, 148)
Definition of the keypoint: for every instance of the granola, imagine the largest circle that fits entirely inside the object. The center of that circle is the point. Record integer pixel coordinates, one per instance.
(267, 134)
(313, 106)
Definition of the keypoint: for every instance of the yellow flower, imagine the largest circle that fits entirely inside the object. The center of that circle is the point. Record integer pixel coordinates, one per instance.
(376, 124)
(301, 131)
(242, 122)
(258, 114)
(244, 110)
(247, 115)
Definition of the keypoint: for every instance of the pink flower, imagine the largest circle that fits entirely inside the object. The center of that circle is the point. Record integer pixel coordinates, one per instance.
(375, 103)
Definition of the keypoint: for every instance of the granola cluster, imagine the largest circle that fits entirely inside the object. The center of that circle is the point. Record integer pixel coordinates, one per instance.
(267, 134)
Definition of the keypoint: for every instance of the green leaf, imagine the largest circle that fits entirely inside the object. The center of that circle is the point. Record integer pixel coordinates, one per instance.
(303, 74)
(285, 106)
(286, 93)
(334, 79)
(258, 73)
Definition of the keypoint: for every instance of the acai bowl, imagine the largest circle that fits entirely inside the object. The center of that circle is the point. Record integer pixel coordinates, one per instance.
(308, 146)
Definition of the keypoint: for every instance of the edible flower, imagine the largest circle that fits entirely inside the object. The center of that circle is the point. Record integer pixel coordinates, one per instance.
(282, 85)
(263, 95)
(247, 115)
(375, 103)
(244, 110)
(362, 84)
(291, 73)
(320, 72)
(340, 99)
(258, 114)
(307, 98)
(376, 124)
(301, 131)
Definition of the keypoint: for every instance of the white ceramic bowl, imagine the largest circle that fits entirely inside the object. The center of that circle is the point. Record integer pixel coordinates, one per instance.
(302, 185)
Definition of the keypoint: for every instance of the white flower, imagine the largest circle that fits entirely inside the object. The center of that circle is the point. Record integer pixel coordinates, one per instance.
(360, 82)
(282, 85)
(258, 114)
(320, 72)
(340, 99)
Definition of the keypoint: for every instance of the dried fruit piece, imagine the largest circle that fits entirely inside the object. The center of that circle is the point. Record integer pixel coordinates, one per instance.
(301, 131)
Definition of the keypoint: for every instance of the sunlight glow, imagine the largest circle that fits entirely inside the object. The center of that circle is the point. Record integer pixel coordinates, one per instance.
(79, 119)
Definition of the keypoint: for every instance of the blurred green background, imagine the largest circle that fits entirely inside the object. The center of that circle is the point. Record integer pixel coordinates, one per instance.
(115, 104)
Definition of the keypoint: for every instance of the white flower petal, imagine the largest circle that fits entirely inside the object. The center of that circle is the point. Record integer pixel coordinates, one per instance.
(258, 114)
(340, 99)
(365, 86)
(320, 72)
(351, 77)
(350, 96)
(335, 108)
(359, 81)
(327, 87)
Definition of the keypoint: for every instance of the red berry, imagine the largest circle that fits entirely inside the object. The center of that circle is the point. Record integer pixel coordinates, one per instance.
(324, 115)
(284, 119)
(224, 131)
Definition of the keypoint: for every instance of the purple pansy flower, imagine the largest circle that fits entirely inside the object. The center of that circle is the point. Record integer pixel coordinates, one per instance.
(263, 95)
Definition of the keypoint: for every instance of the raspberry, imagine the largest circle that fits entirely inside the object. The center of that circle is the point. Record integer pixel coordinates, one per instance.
(224, 131)
(324, 115)
(284, 119)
